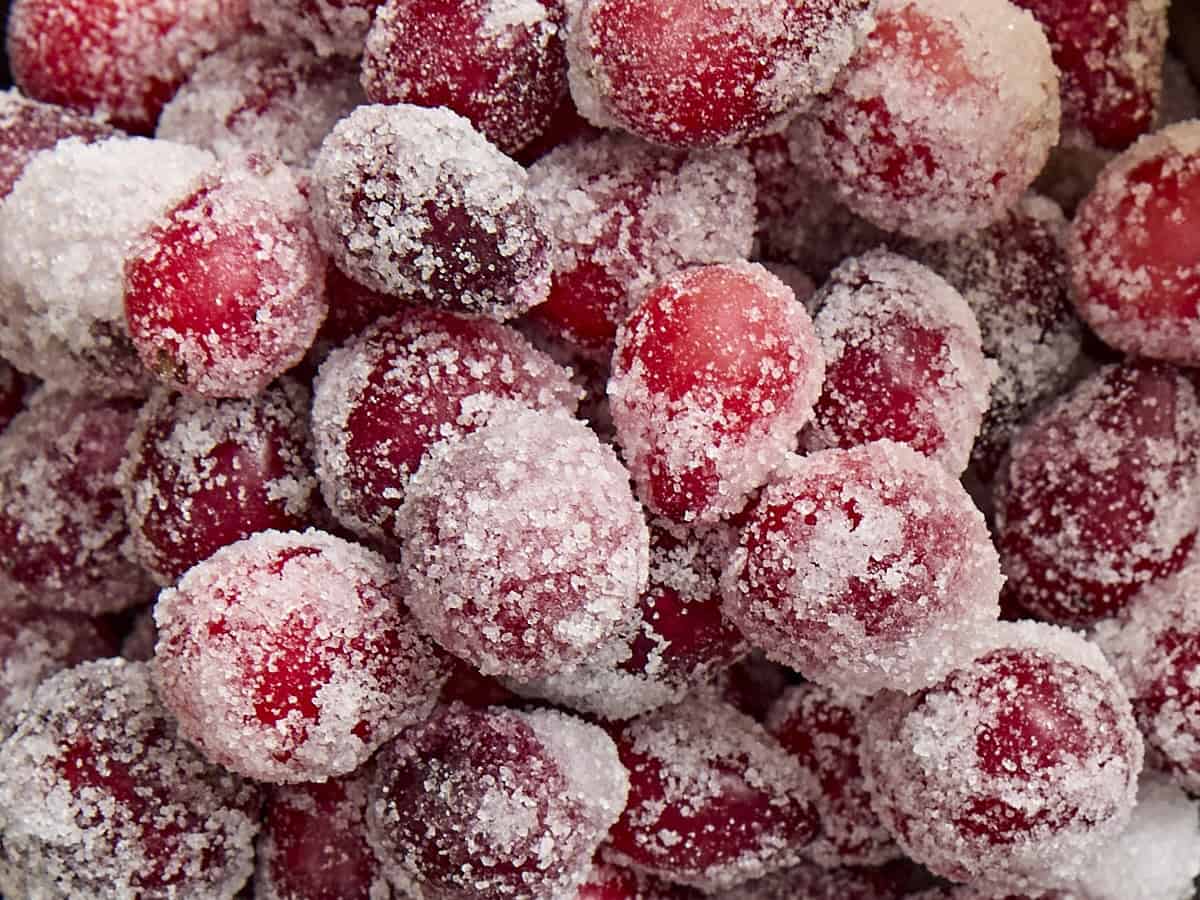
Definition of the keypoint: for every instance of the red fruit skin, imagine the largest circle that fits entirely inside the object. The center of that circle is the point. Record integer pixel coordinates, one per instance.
(121, 59)
(27, 127)
(1110, 55)
(506, 76)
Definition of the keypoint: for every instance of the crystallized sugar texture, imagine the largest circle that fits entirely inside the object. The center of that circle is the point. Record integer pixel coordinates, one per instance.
(523, 545)
(412, 380)
(494, 803)
(708, 73)
(99, 797)
(28, 127)
(1135, 259)
(259, 95)
(65, 231)
(1012, 770)
(332, 26)
(903, 361)
(865, 569)
(944, 117)
(415, 202)
(288, 657)
(715, 372)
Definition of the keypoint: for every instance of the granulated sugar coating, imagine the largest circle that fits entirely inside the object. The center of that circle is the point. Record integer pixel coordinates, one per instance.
(414, 201)
(1157, 857)
(313, 844)
(865, 569)
(27, 127)
(943, 119)
(36, 643)
(524, 547)
(820, 727)
(99, 797)
(1100, 495)
(715, 372)
(710, 73)
(275, 98)
(228, 292)
(1110, 59)
(714, 800)
(120, 59)
(333, 27)
(808, 881)
(288, 657)
(1011, 771)
(499, 63)
(1135, 255)
(903, 361)
(202, 474)
(1015, 277)
(609, 882)
(674, 641)
(65, 231)
(1155, 648)
(413, 380)
(494, 803)
(622, 216)
(62, 524)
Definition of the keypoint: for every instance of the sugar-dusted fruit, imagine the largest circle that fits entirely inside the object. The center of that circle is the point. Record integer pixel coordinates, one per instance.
(494, 803)
(942, 119)
(313, 844)
(1135, 254)
(865, 569)
(633, 64)
(120, 59)
(269, 97)
(100, 797)
(1100, 495)
(62, 523)
(202, 474)
(228, 290)
(524, 547)
(65, 231)
(417, 378)
(499, 65)
(1014, 767)
(715, 372)
(289, 657)
(822, 729)
(713, 799)
(333, 27)
(413, 201)
(903, 361)
(27, 127)
(1110, 55)
(622, 216)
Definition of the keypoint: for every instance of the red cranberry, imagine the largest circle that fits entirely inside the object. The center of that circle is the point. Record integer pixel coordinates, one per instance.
(27, 127)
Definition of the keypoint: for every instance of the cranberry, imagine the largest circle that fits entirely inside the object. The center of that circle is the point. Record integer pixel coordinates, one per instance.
(333, 27)
(715, 372)
(27, 127)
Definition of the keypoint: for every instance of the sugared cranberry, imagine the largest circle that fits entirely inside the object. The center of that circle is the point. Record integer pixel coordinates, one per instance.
(942, 119)
(634, 64)
(289, 657)
(501, 67)
(713, 799)
(622, 216)
(120, 59)
(411, 381)
(333, 27)
(100, 797)
(414, 201)
(28, 127)
(524, 547)
(494, 803)
(228, 291)
(62, 522)
(1014, 767)
(715, 372)
(203, 474)
(1134, 248)
(1100, 495)
(903, 361)
(865, 569)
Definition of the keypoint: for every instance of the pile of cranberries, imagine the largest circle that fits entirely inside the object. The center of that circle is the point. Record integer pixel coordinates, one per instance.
(599, 450)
